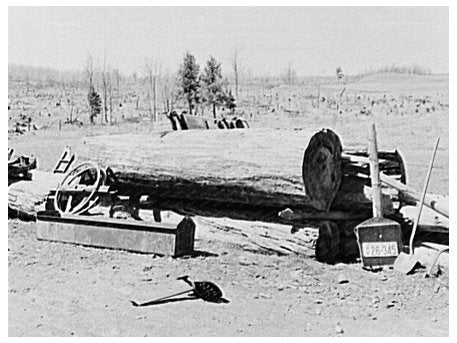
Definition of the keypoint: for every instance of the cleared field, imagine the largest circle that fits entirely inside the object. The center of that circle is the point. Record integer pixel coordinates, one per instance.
(57, 289)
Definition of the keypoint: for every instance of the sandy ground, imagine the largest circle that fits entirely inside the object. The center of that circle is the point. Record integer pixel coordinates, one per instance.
(68, 290)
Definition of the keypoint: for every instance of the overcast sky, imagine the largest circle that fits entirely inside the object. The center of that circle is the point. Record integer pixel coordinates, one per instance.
(313, 39)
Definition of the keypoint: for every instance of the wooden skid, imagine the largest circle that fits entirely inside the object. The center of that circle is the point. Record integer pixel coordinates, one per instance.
(156, 238)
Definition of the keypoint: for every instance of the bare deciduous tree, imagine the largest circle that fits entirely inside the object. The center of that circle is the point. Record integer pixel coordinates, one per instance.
(290, 74)
(168, 92)
(152, 77)
(90, 69)
(105, 88)
(236, 69)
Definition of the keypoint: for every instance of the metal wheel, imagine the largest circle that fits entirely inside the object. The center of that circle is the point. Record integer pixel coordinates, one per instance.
(87, 175)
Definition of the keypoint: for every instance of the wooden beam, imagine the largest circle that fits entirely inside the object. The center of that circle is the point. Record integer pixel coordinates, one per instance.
(411, 196)
(161, 239)
(374, 173)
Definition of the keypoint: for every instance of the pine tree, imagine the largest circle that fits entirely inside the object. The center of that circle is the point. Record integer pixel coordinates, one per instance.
(95, 103)
(189, 74)
(212, 80)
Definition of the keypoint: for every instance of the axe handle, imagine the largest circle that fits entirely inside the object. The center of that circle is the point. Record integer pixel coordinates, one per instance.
(164, 298)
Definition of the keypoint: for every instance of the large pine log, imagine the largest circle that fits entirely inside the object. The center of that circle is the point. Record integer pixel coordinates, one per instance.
(249, 167)
(249, 174)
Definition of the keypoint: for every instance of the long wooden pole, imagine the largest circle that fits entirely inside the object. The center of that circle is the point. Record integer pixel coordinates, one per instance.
(412, 196)
(374, 173)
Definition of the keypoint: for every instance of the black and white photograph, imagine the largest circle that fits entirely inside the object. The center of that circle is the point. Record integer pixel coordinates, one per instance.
(228, 171)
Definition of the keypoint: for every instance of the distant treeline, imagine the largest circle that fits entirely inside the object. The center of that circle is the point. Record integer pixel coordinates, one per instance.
(48, 77)
(43, 76)
(414, 69)
(40, 76)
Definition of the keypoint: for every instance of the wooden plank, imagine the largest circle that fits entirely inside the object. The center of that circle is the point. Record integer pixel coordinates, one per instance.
(258, 236)
(161, 239)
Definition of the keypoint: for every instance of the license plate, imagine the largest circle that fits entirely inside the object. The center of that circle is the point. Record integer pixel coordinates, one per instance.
(380, 249)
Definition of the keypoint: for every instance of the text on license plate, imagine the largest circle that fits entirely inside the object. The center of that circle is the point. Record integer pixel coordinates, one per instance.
(380, 249)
